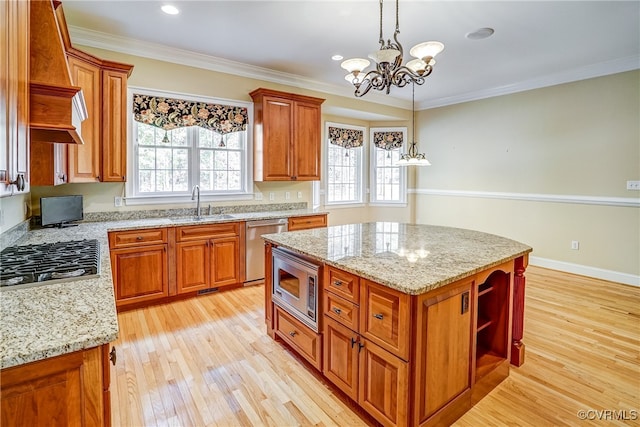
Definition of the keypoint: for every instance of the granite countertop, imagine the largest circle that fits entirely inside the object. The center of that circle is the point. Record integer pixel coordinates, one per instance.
(53, 319)
(413, 259)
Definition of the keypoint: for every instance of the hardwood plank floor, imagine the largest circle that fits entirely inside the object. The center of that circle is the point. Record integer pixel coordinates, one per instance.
(208, 362)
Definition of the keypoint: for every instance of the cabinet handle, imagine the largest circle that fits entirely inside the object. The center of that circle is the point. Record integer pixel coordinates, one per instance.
(19, 182)
(464, 303)
(360, 346)
(113, 356)
(353, 341)
(337, 283)
(378, 316)
(293, 333)
(336, 310)
(139, 238)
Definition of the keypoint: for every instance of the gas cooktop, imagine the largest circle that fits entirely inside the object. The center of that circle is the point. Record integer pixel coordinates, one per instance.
(31, 265)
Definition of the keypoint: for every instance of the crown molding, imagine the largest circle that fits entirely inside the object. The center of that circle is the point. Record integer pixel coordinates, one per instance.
(100, 40)
(631, 202)
(591, 71)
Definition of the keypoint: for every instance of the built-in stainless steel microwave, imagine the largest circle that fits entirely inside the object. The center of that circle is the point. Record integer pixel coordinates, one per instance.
(295, 286)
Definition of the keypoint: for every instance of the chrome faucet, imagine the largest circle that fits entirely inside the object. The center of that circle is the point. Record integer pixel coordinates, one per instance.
(196, 189)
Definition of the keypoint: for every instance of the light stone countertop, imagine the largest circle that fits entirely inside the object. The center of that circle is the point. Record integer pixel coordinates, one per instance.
(53, 319)
(412, 259)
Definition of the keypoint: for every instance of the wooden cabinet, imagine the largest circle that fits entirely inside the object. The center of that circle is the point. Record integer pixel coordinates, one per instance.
(139, 265)
(306, 222)
(104, 84)
(208, 256)
(442, 356)
(366, 344)
(287, 137)
(14, 97)
(67, 390)
(305, 341)
(49, 163)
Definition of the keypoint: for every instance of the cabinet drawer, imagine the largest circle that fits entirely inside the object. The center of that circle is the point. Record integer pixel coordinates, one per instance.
(385, 318)
(343, 284)
(205, 231)
(306, 222)
(341, 310)
(124, 239)
(306, 342)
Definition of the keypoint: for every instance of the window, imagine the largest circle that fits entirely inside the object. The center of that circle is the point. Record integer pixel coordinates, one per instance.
(178, 144)
(344, 183)
(388, 180)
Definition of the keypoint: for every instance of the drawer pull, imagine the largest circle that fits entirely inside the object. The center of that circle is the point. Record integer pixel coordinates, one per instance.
(378, 316)
(353, 342)
(293, 333)
(336, 310)
(139, 238)
(337, 283)
(113, 356)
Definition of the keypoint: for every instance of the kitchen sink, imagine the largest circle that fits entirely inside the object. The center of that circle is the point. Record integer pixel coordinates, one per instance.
(203, 218)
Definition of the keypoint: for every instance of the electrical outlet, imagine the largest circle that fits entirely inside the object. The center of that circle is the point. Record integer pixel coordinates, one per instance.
(299, 194)
(272, 195)
(117, 201)
(575, 245)
(287, 195)
(258, 196)
(633, 185)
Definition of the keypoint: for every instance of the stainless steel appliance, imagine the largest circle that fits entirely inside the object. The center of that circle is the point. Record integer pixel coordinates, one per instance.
(255, 246)
(31, 265)
(295, 286)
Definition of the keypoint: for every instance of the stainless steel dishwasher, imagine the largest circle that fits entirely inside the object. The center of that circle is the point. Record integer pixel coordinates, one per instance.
(255, 246)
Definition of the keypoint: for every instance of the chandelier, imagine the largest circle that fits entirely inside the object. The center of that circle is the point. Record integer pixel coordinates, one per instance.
(389, 69)
(412, 157)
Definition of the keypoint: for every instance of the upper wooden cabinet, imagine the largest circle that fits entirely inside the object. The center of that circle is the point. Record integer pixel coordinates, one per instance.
(287, 136)
(104, 84)
(14, 97)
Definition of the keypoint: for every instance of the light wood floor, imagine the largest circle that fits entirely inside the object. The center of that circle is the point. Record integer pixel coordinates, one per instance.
(207, 361)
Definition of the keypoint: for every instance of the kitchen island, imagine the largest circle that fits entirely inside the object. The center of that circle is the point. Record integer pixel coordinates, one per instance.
(415, 323)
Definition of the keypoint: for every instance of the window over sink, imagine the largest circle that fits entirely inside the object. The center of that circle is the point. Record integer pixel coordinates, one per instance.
(178, 141)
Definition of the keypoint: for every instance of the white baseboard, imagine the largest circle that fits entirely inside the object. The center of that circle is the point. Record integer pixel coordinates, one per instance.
(584, 270)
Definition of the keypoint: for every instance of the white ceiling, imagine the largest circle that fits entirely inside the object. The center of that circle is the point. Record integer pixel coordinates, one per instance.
(536, 43)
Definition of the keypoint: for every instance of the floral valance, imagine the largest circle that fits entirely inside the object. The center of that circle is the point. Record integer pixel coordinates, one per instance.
(171, 113)
(346, 138)
(388, 140)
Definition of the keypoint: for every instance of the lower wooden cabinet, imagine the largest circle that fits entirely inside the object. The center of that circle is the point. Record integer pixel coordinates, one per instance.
(67, 390)
(307, 222)
(340, 365)
(140, 274)
(306, 342)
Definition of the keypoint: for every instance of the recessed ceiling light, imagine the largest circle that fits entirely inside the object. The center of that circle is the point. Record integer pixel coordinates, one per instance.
(337, 57)
(170, 10)
(479, 34)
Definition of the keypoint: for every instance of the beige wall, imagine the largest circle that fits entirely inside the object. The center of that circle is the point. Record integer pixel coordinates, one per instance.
(13, 211)
(576, 139)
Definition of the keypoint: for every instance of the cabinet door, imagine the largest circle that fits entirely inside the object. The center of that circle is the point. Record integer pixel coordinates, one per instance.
(306, 148)
(383, 385)
(84, 160)
(443, 350)
(277, 133)
(225, 261)
(192, 260)
(140, 274)
(340, 361)
(43, 393)
(48, 163)
(114, 126)
(385, 317)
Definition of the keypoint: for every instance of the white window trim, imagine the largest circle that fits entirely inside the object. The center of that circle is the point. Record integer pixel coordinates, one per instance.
(131, 199)
(363, 161)
(372, 175)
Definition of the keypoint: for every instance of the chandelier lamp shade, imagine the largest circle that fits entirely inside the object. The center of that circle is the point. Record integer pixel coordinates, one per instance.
(389, 70)
(412, 157)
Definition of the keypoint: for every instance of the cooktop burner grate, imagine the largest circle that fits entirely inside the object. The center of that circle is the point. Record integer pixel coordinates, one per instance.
(49, 262)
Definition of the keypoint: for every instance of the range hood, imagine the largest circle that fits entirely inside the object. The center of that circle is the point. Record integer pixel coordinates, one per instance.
(56, 107)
